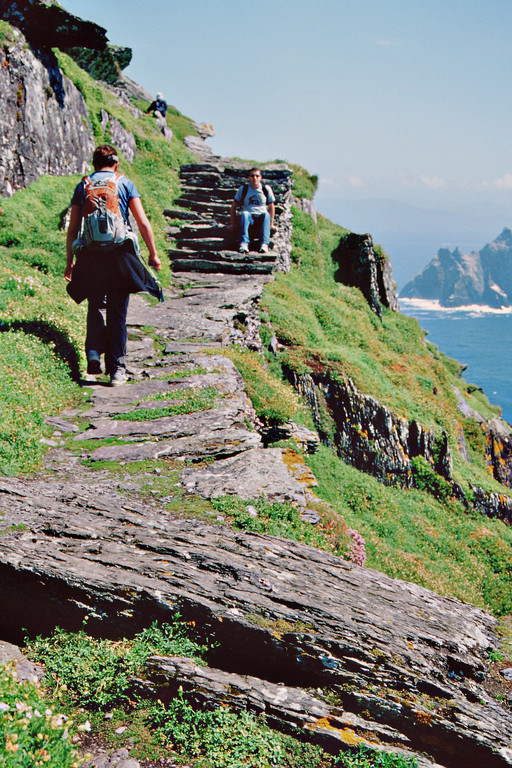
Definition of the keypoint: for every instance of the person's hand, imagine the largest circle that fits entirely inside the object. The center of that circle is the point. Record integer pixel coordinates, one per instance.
(67, 273)
(155, 262)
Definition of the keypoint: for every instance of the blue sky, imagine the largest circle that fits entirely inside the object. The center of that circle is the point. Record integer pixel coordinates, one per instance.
(402, 107)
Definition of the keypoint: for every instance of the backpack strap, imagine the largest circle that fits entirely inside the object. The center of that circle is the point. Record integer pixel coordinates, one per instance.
(244, 193)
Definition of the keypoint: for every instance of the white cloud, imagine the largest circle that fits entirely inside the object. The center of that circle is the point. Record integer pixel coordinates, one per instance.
(505, 182)
(355, 181)
(385, 42)
(432, 183)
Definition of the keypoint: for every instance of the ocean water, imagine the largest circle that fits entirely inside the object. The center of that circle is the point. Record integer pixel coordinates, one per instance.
(480, 337)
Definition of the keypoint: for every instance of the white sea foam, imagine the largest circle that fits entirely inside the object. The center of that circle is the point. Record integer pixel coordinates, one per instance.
(433, 305)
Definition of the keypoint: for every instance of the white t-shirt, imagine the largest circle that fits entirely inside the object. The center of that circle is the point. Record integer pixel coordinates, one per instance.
(255, 200)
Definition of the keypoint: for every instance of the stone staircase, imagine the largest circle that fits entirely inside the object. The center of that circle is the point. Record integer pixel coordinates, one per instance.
(201, 240)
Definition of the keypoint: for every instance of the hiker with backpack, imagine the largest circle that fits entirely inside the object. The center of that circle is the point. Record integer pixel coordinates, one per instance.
(103, 263)
(258, 207)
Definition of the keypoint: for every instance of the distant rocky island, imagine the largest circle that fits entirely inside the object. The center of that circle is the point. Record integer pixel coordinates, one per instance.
(455, 279)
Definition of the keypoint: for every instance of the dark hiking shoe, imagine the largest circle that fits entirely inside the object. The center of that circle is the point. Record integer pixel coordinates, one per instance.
(93, 365)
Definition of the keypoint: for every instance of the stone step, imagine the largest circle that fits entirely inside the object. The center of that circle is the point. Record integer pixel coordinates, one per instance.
(218, 194)
(208, 180)
(223, 255)
(210, 208)
(188, 168)
(224, 267)
(204, 243)
(176, 213)
(202, 230)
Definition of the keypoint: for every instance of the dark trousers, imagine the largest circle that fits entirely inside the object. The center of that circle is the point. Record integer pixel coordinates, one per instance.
(106, 328)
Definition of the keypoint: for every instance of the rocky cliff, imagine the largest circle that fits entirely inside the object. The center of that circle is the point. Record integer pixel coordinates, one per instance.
(44, 123)
(456, 279)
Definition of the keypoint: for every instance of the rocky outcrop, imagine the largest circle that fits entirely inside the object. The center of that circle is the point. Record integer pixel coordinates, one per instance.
(47, 25)
(365, 268)
(374, 439)
(123, 140)
(456, 279)
(369, 435)
(498, 442)
(44, 123)
(391, 662)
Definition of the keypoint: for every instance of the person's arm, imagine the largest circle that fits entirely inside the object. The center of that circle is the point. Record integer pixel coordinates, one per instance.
(234, 206)
(75, 220)
(139, 214)
(272, 211)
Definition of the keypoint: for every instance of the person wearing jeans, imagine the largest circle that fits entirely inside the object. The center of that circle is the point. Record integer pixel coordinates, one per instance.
(104, 275)
(258, 207)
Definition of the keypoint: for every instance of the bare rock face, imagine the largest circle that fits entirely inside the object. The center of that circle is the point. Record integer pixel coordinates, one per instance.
(403, 667)
(362, 266)
(369, 435)
(48, 25)
(44, 123)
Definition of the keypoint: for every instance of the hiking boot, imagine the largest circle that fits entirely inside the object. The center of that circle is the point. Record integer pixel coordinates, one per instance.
(244, 248)
(264, 248)
(118, 377)
(93, 364)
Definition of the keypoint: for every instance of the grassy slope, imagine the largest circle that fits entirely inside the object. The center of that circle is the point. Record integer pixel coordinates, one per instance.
(408, 534)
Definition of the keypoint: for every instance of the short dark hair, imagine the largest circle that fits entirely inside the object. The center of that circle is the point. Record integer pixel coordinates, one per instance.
(104, 156)
(251, 170)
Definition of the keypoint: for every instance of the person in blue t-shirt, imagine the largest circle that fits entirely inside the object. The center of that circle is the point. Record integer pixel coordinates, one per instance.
(106, 285)
(258, 207)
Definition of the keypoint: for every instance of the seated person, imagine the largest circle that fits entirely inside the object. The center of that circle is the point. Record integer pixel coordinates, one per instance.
(158, 105)
(258, 207)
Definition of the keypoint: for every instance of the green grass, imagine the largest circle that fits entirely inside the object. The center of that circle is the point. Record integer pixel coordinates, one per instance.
(284, 519)
(329, 329)
(225, 739)
(190, 401)
(97, 673)
(33, 300)
(33, 383)
(365, 757)
(274, 401)
(156, 164)
(411, 535)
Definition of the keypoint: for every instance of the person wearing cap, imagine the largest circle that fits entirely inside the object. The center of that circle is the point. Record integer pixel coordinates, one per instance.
(158, 105)
(107, 279)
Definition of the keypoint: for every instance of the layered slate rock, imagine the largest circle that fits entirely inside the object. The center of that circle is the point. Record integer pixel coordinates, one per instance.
(205, 243)
(44, 123)
(404, 665)
(369, 435)
(362, 266)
